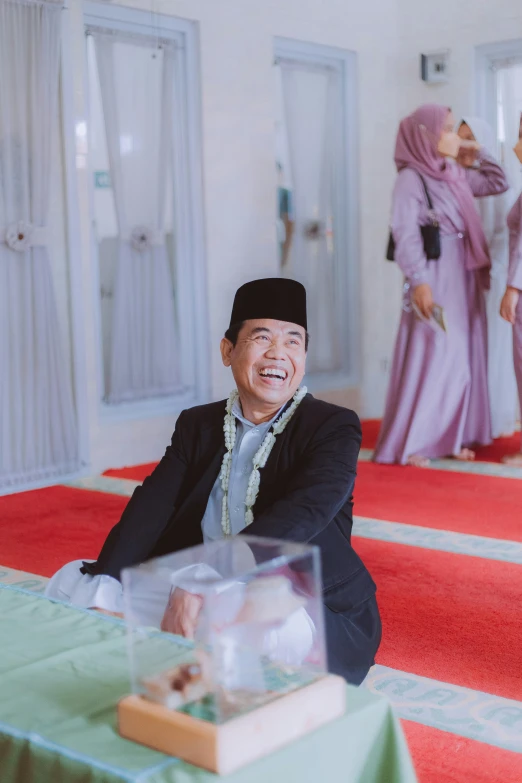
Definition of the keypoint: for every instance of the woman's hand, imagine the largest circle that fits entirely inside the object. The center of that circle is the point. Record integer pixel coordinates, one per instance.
(468, 152)
(508, 306)
(423, 299)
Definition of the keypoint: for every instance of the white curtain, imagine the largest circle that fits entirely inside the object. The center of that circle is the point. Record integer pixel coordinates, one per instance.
(137, 90)
(312, 105)
(38, 437)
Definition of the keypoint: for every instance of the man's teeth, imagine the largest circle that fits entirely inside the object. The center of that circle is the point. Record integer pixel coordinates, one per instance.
(281, 374)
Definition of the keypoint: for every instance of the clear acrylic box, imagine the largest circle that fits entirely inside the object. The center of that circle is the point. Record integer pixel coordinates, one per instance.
(257, 616)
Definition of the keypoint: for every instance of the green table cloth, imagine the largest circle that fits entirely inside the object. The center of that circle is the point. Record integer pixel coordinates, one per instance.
(62, 672)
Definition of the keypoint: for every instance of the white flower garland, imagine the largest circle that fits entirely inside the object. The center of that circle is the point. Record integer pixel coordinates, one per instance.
(260, 457)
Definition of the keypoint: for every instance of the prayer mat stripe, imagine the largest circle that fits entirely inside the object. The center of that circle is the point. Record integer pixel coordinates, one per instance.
(474, 714)
(495, 469)
(441, 540)
(114, 486)
(22, 579)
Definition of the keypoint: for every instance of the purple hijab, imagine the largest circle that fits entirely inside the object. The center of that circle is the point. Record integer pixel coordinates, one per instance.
(416, 148)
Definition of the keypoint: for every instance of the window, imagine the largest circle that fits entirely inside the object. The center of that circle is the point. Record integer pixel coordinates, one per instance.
(143, 155)
(316, 159)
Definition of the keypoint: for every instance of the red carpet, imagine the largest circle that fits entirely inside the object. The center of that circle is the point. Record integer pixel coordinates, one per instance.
(464, 503)
(43, 529)
(135, 472)
(494, 453)
(370, 433)
(449, 617)
(441, 757)
(499, 448)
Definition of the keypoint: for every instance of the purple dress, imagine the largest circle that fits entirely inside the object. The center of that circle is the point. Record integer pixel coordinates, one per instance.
(437, 400)
(514, 221)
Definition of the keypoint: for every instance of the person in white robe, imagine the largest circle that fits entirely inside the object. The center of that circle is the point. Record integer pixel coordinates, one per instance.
(493, 211)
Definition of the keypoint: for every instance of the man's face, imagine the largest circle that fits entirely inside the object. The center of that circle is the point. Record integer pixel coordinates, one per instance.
(268, 360)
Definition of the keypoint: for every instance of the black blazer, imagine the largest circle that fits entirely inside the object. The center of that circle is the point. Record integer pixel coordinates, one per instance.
(305, 495)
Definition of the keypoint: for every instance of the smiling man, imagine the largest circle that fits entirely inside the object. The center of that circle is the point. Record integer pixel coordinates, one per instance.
(271, 461)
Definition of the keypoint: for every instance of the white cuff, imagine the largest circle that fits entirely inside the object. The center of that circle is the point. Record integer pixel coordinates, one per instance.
(100, 592)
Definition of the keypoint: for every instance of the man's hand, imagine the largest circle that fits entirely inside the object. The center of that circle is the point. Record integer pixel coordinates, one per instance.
(106, 611)
(182, 613)
(508, 307)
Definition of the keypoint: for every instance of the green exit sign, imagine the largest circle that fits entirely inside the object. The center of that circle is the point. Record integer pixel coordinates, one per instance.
(102, 179)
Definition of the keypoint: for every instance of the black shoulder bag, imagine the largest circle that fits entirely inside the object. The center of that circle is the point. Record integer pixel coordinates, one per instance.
(430, 234)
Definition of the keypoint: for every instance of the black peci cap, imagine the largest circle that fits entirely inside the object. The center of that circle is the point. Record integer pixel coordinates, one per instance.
(272, 297)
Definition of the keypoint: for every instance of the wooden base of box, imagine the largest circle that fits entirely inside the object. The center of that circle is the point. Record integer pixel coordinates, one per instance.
(226, 747)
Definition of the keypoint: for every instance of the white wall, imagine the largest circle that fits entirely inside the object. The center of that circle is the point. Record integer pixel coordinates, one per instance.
(457, 26)
(239, 180)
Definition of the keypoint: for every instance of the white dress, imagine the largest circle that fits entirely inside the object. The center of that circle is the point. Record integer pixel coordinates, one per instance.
(501, 375)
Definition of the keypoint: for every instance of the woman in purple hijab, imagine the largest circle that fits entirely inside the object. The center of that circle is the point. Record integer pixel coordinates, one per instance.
(437, 403)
